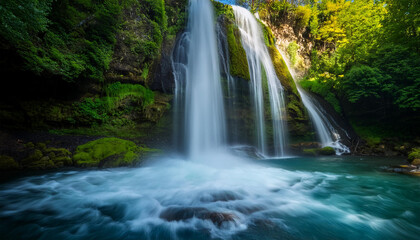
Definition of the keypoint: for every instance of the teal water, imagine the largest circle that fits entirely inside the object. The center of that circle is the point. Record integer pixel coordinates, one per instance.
(293, 198)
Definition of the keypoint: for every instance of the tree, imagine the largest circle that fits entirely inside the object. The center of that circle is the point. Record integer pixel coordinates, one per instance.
(402, 23)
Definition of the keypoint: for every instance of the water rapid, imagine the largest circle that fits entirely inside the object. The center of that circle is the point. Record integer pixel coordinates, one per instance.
(318, 198)
(262, 75)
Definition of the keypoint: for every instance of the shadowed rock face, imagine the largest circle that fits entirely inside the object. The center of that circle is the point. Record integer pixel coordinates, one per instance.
(183, 214)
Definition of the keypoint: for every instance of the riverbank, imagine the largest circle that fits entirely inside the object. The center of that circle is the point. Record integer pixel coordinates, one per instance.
(26, 153)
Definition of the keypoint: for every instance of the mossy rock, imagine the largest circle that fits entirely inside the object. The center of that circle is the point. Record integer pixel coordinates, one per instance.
(41, 157)
(237, 56)
(311, 151)
(8, 163)
(414, 156)
(327, 151)
(60, 156)
(37, 160)
(108, 152)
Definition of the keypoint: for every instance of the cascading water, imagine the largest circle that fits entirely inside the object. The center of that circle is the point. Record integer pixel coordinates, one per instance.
(197, 77)
(232, 94)
(260, 63)
(326, 133)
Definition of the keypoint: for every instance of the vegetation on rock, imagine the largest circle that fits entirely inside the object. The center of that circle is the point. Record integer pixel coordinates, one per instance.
(109, 152)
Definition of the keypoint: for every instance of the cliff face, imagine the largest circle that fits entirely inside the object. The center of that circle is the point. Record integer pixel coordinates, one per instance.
(297, 118)
(287, 34)
(144, 43)
(100, 69)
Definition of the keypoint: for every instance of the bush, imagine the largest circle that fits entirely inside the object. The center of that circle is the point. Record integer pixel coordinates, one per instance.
(292, 50)
(303, 14)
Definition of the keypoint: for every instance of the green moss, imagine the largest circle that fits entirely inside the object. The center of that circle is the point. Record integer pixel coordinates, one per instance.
(46, 158)
(8, 163)
(282, 71)
(223, 9)
(295, 110)
(311, 151)
(37, 160)
(327, 151)
(110, 152)
(30, 145)
(269, 38)
(414, 156)
(238, 60)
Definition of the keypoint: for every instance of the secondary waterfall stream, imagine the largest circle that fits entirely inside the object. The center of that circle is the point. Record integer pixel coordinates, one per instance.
(260, 65)
(326, 133)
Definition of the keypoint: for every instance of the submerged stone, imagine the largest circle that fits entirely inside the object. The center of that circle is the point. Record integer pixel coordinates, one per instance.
(183, 214)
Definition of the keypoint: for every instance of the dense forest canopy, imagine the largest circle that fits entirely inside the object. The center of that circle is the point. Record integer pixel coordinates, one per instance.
(366, 55)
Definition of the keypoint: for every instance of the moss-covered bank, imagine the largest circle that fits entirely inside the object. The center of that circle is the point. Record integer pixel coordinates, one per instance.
(109, 152)
(103, 152)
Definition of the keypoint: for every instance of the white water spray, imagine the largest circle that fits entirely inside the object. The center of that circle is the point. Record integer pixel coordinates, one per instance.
(199, 81)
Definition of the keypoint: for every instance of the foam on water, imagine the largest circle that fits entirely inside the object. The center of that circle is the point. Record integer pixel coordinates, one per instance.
(178, 199)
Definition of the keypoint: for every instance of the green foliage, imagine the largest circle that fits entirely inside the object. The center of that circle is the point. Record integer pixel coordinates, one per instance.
(414, 156)
(292, 50)
(402, 23)
(93, 109)
(117, 92)
(68, 39)
(20, 19)
(401, 68)
(8, 163)
(223, 9)
(102, 109)
(303, 15)
(155, 10)
(362, 83)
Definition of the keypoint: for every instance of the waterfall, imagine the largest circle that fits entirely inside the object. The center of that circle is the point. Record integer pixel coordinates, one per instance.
(260, 64)
(197, 83)
(327, 134)
(231, 86)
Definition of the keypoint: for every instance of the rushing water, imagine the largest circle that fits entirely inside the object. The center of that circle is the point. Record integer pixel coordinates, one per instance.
(303, 198)
(260, 64)
(325, 131)
(197, 77)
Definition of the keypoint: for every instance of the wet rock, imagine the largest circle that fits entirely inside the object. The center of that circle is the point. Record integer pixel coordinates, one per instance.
(406, 169)
(183, 214)
(222, 196)
(414, 156)
(327, 151)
